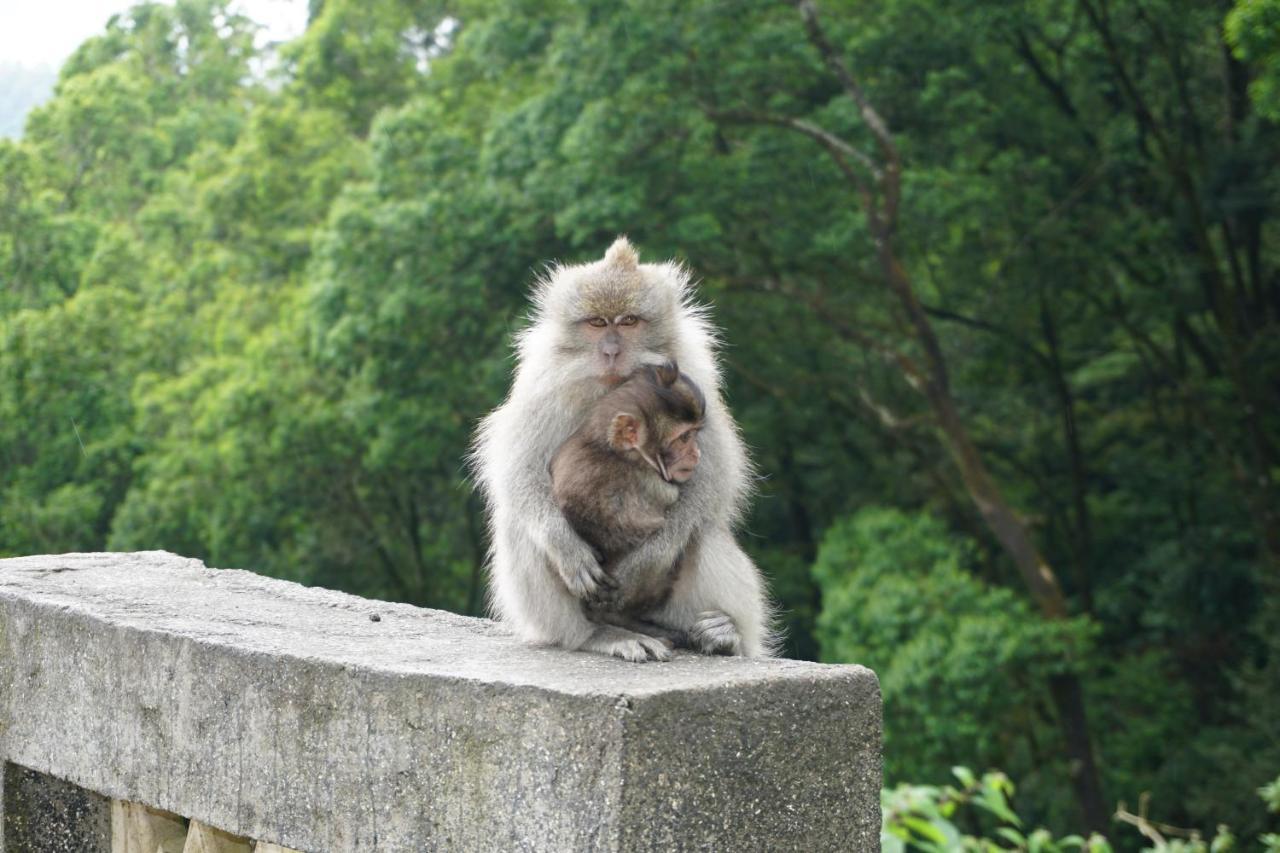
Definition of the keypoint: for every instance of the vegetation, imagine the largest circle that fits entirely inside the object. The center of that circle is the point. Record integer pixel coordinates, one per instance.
(999, 281)
(929, 818)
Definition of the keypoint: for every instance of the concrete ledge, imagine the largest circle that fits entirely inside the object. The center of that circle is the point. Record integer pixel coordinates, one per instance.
(323, 721)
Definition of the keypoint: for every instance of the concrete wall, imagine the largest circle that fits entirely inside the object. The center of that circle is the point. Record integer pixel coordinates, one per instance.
(293, 715)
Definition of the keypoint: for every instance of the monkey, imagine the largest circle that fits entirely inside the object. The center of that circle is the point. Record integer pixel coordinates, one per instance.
(617, 475)
(592, 325)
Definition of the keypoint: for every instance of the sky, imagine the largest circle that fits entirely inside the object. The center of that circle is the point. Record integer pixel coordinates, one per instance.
(45, 32)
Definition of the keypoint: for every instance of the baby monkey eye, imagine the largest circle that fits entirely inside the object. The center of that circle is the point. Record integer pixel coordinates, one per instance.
(628, 320)
(598, 322)
(686, 437)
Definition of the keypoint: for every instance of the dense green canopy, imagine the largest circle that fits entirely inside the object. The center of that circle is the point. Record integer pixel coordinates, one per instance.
(999, 284)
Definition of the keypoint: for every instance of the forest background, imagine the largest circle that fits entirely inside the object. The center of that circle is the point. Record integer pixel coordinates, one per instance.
(998, 284)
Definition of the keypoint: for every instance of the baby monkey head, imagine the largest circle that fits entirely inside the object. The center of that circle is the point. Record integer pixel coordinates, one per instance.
(658, 412)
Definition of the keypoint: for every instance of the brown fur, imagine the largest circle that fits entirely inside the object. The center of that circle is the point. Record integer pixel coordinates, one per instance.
(611, 496)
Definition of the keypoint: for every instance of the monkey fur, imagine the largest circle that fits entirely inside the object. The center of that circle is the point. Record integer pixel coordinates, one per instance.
(592, 326)
(617, 475)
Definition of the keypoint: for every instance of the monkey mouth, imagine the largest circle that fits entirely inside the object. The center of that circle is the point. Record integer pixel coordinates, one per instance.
(680, 475)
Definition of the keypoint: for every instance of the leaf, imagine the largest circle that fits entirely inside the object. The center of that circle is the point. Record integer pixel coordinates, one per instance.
(925, 829)
(1098, 844)
(993, 798)
(891, 843)
(1270, 794)
(1012, 835)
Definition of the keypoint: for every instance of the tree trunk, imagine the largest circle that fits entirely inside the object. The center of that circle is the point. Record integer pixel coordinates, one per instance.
(877, 187)
(1009, 530)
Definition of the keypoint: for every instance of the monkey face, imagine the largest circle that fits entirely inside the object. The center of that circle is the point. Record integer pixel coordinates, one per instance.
(616, 342)
(681, 453)
(610, 317)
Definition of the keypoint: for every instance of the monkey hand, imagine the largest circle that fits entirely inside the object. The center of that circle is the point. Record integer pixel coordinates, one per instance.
(585, 577)
(715, 634)
(607, 596)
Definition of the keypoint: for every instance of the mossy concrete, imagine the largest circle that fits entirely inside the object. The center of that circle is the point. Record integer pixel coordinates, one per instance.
(292, 715)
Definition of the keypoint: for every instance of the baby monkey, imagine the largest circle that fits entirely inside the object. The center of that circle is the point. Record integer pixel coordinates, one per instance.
(615, 478)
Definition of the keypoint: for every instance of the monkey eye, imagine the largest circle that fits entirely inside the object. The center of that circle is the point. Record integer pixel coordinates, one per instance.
(628, 320)
(598, 322)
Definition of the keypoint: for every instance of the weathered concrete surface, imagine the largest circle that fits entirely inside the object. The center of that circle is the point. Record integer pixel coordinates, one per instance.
(287, 714)
(46, 815)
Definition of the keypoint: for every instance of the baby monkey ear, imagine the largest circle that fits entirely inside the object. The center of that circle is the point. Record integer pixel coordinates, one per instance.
(667, 372)
(626, 432)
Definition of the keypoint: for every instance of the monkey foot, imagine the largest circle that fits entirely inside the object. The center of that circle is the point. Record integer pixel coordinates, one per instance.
(628, 645)
(715, 634)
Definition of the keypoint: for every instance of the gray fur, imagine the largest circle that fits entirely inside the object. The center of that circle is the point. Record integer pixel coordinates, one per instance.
(540, 571)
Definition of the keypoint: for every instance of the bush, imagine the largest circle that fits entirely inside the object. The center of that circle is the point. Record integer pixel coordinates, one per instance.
(963, 665)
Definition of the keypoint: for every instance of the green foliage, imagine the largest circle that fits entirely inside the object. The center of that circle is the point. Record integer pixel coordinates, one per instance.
(963, 665)
(1270, 794)
(1253, 31)
(927, 818)
(942, 818)
(358, 57)
(66, 443)
(1171, 839)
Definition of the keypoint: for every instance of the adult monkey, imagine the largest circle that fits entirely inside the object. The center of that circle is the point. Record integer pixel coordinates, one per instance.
(592, 325)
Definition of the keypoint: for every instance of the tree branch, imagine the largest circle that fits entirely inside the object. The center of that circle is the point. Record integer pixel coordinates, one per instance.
(990, 328)
(870, 116)
(834, 144)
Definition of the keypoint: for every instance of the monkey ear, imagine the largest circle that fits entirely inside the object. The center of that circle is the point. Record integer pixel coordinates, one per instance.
(626, 432)
(667, 373)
